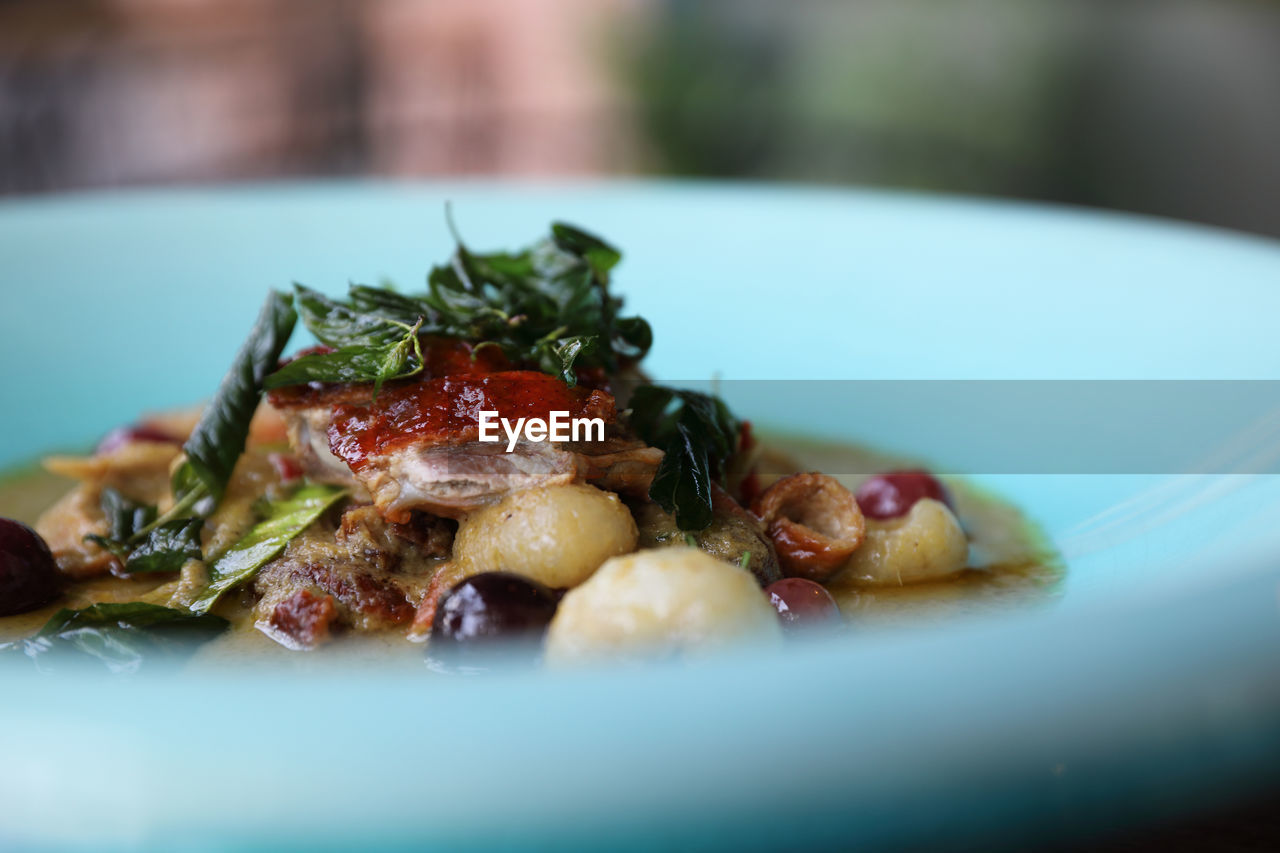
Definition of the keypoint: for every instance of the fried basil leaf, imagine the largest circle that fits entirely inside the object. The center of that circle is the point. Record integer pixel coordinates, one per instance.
(373, 362)
(560, 357)
(147, 542)
(682, 484)
(698, 436)
(338, 326)
(219, 438)
(598, 254)
(388, 304)
(547, 307)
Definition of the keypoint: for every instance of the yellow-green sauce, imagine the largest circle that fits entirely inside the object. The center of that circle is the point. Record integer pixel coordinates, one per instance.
(1010, 563)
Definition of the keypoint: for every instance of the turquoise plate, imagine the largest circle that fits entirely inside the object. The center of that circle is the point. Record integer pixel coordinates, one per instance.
(1149, 687)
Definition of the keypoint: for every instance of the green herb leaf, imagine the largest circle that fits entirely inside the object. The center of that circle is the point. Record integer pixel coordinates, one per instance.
(349, 364)
(125, 517)
(219, 437)
(263, 543)
(560, 357)
(121, 636)
(396, 363)
(146, 542)
(374, 361)
(338, 326)
(390, 305)
(682, 484)
(547, 307)
(698, 436)
(167, 547)
(632, 337)
(600, 255)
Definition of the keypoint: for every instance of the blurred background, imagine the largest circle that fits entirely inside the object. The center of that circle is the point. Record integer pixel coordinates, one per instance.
(1168, 107)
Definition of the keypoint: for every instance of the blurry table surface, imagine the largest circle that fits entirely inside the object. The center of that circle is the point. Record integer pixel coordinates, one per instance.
(1253, 826)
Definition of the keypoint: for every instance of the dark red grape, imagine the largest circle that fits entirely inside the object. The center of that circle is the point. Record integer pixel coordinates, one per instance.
(802, 603)
(120, 436)
(490, 608)
(29, 577)
(892, 494)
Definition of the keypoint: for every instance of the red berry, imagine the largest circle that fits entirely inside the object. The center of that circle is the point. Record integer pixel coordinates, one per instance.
(892, 494)
(490, 608)
(29, 577)
(120, 436)
(802, 603)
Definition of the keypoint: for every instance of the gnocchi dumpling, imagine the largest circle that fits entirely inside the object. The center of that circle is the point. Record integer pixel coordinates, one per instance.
(925, 544)
(556, 535)
(661, 601)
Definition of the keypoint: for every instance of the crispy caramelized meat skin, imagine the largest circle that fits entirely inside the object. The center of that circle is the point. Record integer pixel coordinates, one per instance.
(419, 447)
(305, 617)
(442, 357)
(416, 447)
(448, 410)
(308, 409)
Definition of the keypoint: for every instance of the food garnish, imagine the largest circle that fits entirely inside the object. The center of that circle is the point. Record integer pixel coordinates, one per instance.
(282, 521)
(547, 306)
(148, 541)
(698, 435)
(121, 636)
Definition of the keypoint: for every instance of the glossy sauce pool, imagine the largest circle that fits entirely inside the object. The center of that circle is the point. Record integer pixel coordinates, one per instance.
(1010, 562)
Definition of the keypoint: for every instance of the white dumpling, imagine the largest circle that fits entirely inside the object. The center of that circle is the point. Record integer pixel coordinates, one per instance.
(925, 544)
(660, 602)
(556, 535)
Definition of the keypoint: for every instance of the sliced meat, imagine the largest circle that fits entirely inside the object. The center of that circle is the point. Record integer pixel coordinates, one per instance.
(363, 531)
(419, 447)
(416, 447)
(308, 410)
(308, 430)
(360, 575)
(620, 463)
(453, 479)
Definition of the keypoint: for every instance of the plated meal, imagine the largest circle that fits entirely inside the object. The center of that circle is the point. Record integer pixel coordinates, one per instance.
(482, 463)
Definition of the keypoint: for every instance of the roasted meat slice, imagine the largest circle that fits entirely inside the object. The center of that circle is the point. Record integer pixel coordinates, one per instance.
(308, 429)
(308, 409)
(365, 574)
(416, 447)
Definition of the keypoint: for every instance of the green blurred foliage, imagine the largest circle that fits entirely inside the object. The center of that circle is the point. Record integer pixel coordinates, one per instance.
(1170, 108)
